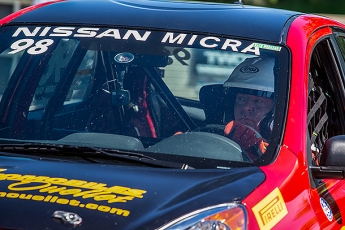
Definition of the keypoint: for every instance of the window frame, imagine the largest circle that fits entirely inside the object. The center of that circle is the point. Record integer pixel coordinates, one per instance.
(335, 74)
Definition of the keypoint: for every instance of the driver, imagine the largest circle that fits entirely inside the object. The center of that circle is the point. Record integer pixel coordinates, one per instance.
(251, 118)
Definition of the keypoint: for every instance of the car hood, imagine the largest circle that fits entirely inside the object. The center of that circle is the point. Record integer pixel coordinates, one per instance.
(111, 196)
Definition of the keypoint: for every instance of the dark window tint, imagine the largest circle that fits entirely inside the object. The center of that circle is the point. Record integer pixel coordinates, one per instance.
(341, 43)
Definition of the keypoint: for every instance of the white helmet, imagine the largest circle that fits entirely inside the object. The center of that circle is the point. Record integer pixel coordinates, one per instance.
(255, 74)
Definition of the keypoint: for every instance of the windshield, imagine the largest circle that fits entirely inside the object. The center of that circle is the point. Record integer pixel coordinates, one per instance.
(175, 96)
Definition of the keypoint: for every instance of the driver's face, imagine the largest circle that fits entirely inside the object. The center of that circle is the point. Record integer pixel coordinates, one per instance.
(250, 110)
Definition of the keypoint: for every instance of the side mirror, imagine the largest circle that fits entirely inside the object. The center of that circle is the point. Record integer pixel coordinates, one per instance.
(333, 152)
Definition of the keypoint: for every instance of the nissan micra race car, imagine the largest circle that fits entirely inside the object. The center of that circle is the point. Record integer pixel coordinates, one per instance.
(144, 114)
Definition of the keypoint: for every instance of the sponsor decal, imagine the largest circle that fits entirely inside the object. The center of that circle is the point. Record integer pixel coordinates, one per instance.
(36, 40)
(38, 47)
(70, 192)
(328, 203)
(63, 201)
(270, 210)
(267, 47)
(124, 58)
(249, 69)
(326, 209)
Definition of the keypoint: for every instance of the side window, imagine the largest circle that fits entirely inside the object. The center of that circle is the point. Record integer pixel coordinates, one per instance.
(324, 117)
(341, 43)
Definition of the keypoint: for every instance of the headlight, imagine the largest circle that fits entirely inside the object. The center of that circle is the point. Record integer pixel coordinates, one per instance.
(220, 217)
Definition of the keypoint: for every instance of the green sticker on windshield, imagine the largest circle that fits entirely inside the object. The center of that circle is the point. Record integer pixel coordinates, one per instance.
(267, 47)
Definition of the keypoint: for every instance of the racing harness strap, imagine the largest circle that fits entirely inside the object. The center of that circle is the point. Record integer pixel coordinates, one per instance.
(319, 104)
(138, 112)
(141, 118)
(320, 116)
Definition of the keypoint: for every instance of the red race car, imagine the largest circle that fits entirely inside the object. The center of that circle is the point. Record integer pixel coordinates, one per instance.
(143, 114)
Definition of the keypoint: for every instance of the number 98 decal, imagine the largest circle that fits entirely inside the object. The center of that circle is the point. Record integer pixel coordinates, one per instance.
(34, 48)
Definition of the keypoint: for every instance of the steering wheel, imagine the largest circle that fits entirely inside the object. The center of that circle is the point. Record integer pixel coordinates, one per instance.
(219, 129)
(211, 128)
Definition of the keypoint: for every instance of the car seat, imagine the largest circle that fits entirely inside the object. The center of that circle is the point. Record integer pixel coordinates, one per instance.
(212, 101)
(142, 114)
(106, 117)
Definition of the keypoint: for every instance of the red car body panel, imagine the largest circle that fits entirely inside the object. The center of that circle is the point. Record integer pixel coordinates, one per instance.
(291, 167)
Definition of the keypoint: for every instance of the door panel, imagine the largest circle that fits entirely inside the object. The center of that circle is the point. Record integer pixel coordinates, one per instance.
(325, 120)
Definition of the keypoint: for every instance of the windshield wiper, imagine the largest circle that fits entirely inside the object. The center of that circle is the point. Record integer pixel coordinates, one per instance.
(82, 150)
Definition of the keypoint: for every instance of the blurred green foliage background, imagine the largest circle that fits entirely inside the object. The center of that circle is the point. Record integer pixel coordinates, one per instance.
(307, 6)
